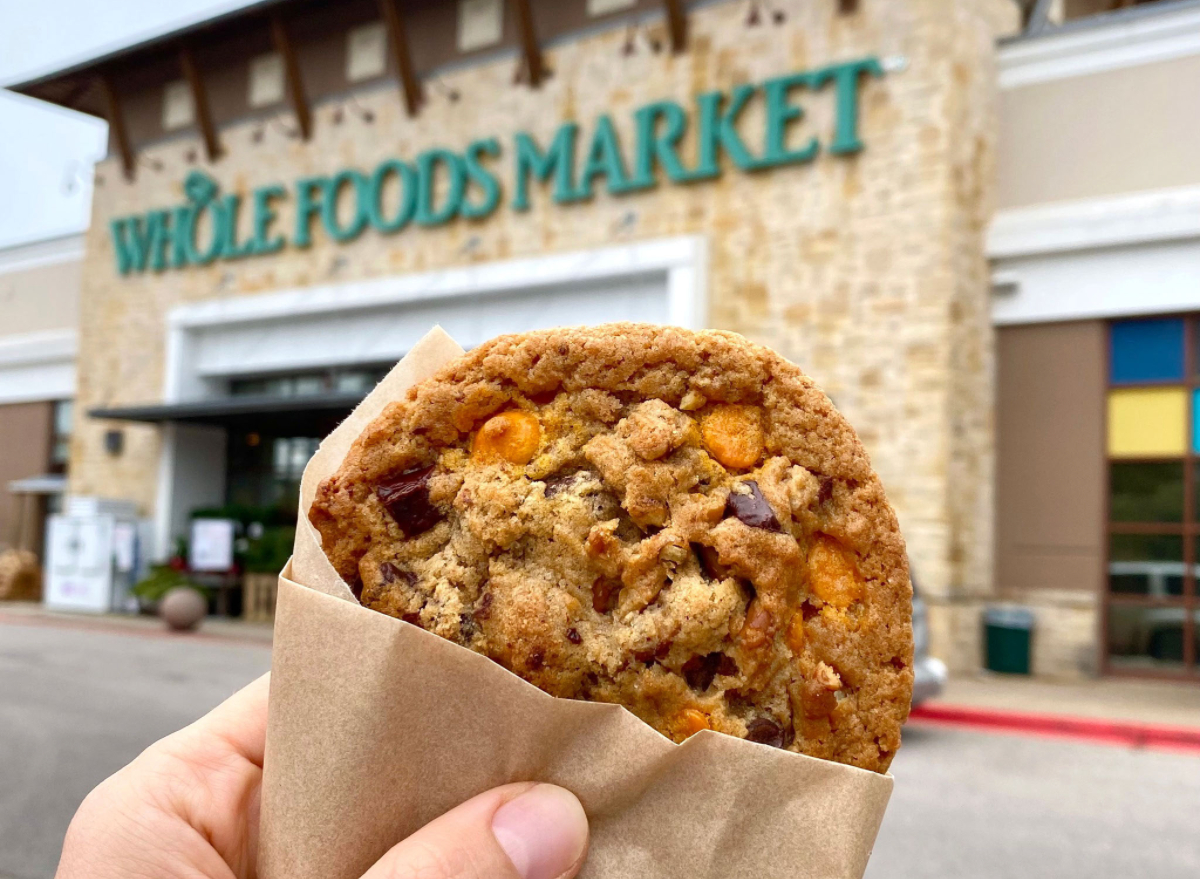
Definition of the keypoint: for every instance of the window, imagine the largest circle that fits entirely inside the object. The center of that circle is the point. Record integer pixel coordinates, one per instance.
(266, 80)
(1153, 495)
(178, 111)
(366, 52)
(353, 380)
(60, 440)
(264, 471)
(480, 24)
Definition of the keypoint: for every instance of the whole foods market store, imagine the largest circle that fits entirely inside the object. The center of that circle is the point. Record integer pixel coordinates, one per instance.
(265, 245)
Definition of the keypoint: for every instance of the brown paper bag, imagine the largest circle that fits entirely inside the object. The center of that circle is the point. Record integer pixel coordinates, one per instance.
(376, 727)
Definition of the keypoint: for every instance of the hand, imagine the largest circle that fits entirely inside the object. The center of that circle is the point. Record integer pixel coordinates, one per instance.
(188, 807)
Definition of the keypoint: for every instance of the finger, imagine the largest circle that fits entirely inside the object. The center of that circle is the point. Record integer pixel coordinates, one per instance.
(239, 723)
(520, 831)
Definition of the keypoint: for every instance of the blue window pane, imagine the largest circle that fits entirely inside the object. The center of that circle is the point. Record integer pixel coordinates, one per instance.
(1196, 430)
(1147, 351)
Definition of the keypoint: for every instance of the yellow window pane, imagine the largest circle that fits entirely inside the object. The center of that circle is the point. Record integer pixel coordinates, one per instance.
(1147, 421)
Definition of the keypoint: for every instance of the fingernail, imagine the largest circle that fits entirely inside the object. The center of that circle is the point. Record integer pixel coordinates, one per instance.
(543, 831)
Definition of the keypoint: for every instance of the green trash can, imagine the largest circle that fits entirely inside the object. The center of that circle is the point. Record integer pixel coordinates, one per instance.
(1008, 636)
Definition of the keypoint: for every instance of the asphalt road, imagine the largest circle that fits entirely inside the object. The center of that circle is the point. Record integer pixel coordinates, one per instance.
(77, 705)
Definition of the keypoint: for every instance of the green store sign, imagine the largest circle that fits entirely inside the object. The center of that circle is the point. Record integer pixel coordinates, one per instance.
(575, 164)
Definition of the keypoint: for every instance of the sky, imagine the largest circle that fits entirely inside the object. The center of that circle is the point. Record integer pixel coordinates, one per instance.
(46, 152)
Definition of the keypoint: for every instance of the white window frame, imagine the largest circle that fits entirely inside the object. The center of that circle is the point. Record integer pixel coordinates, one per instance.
(682, 260)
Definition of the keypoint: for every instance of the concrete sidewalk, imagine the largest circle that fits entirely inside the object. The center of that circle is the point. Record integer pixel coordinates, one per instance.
(212, 629)
(1117, 711)
(1167, 703)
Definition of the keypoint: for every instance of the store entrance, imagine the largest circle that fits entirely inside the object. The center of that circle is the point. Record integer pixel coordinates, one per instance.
(266, 454)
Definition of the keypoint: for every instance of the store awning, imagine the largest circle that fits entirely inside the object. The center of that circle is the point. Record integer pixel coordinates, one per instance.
(47, 483)
(266, 413)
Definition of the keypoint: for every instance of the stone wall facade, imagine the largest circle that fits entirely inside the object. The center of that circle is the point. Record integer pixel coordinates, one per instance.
(867, 270)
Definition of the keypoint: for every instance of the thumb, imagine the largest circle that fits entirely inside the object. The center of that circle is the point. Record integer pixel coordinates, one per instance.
(519, 831)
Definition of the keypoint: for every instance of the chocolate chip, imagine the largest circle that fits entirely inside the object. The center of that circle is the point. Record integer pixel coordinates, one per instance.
(710, 562)
(391, 573)
(646, 656)
(485, 607)
(897, 662)
(536, 660)
(765, 731)
(825, 491)
(808, 610)
(752, 509)
(466, 626)
(574, 637)
(356, 588)
(727, 666)
(699, 671)
(413, 619)
(406, 499)
(543, 398)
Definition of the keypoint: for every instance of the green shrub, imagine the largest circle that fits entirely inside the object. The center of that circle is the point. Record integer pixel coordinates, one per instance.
(161, 580)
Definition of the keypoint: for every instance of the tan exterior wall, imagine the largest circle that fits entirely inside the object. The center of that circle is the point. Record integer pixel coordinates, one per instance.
(868, 271)
(25, 432)
(1050, 479)
(40, 298)
(1106, 133)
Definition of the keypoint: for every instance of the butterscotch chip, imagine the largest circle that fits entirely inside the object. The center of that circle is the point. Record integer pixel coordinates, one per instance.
(692, 721)
(678, 522)
(509, 436)
(733, 434)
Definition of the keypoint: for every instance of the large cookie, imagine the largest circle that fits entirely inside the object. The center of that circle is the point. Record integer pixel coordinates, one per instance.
(679, 522)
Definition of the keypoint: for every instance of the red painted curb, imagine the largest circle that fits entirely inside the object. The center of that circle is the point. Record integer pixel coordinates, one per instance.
(1119, 732)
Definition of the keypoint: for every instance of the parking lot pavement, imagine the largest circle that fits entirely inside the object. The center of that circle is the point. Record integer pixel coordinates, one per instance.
(990, 806)
(77, 704)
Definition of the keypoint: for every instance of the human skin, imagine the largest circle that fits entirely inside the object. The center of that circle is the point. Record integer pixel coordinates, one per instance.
(188, 808)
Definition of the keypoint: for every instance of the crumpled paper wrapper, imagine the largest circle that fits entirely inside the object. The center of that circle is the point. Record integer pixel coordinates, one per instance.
(376, 727)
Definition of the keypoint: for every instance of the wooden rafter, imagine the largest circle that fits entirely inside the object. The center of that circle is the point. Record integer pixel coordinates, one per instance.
(291, 68)
(116, 125)
(187, 63)
(676, 24)
(530, 50)
(394, 22)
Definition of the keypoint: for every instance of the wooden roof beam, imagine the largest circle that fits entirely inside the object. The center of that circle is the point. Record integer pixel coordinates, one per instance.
(398, 38)
(530, 50)
(291, 68)
(676, 24)
(187, 63)
(116, 125)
